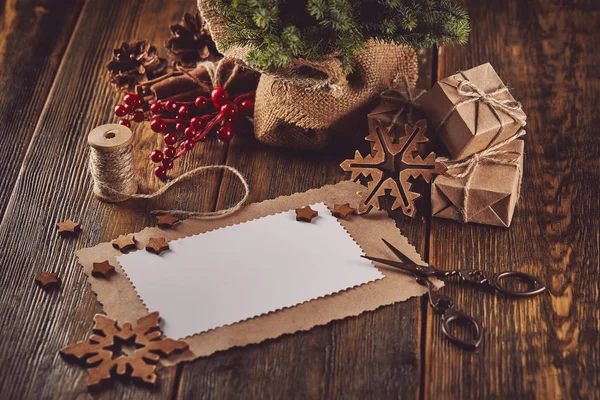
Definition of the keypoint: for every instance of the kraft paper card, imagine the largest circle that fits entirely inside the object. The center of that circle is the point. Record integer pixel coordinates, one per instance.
(493, 191)
(242, 271)
(122, 302)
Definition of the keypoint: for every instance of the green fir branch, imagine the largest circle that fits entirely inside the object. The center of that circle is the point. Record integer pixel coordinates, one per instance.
(279, 31)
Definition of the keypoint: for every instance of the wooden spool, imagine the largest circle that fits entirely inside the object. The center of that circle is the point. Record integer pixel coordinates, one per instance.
(107, 139)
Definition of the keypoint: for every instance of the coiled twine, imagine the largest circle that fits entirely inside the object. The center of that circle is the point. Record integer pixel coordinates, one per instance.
(112, 168)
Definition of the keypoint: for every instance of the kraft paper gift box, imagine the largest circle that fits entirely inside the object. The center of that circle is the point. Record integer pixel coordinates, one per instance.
(396, 104)
(472, 110)
(493, 189)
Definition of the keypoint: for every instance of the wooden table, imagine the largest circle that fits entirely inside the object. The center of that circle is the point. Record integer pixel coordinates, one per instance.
(54, 91)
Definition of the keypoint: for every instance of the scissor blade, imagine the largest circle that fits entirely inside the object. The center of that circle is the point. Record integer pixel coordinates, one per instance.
(397, 253)
(397, 264)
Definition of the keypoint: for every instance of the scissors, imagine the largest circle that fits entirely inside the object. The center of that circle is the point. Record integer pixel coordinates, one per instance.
(445, 305)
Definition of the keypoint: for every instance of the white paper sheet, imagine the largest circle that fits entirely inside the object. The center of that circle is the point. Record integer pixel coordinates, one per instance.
(242, 271)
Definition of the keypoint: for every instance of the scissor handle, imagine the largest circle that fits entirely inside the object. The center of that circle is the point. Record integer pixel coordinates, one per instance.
(459, 316)
(534, 286)
(445, 306)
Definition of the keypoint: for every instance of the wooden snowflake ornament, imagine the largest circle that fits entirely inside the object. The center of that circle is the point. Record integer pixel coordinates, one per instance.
(105, 356)
(390, 165)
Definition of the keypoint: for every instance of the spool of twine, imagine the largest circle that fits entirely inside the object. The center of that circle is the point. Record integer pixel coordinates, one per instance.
(111, 162)
(112, 169)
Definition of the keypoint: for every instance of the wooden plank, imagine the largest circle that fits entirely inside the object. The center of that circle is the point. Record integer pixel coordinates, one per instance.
(375, 355)
(548, 346)
(33, 37)
(54, 184)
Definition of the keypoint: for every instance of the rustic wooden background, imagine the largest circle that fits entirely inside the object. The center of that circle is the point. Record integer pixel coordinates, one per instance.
(53, 91)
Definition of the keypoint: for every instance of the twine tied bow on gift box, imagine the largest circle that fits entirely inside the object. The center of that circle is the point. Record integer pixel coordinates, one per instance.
(494, 155)
(472, 93)
(401, 95)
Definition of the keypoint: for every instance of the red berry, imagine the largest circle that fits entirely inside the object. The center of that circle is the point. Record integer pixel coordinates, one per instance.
(180, 127)
(158, 125)
(229, 110)
(138, 102)
(120, 110)
(201, 102)
(156, 156)
(170, 139)
(138, 116)
(157, 108)
(132, 99)
(171, 106)
(231, 121)
(247, 107)
(189, 132)
(224, 133)
(170, 152)
(125, 122)
(187, 145)
(129, 109)
(128, 99)
(219, 97)
(197, 123)
(167, 163)
(184, 111)
(160, 172)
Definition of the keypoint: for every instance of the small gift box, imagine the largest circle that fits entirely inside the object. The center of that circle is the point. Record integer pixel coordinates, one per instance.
(472, 111)
(483, 189)
(396, 109)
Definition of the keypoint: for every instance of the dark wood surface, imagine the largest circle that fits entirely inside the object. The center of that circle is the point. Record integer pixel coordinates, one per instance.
(54, 91)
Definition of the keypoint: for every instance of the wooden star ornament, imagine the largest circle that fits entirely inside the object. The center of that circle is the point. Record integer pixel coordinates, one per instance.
(157, 245)
(102, 269)
(68, 227)
(124, 242)
(391, 167)
(166, 221)
(342, 210)
(48, 280)
(306, 214)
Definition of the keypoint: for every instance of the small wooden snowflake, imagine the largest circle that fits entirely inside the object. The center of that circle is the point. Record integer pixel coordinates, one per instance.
(390, 165)
(105, 356)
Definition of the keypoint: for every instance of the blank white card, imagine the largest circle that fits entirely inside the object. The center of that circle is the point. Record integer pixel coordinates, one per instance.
(242, 271)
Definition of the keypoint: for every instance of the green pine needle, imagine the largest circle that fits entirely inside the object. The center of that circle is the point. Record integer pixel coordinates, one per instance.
(281, 30)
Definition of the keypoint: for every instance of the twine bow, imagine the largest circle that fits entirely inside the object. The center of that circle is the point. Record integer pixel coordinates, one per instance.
(472, 93)
(491, 156)
(401, 95)
(215, 74)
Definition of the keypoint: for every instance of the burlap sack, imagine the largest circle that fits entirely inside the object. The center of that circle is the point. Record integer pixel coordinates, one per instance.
(310, 104)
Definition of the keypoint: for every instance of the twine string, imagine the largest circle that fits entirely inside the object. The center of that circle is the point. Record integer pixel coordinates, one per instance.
(112, 171)
(494, 155)
(113, 174)
(401, 95)
(472, 93)
(211, 70)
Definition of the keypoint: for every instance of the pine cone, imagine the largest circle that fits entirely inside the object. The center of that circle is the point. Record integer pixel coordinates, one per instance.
(191, 43)
(133, 63)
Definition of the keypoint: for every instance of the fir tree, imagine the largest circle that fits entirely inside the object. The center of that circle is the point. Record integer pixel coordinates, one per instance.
(281, 30)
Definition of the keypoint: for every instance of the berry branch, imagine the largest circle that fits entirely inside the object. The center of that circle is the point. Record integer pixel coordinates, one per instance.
(185, 122)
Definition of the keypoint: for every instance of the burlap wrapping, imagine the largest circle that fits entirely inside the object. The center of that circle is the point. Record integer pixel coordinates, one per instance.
(309, 104)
